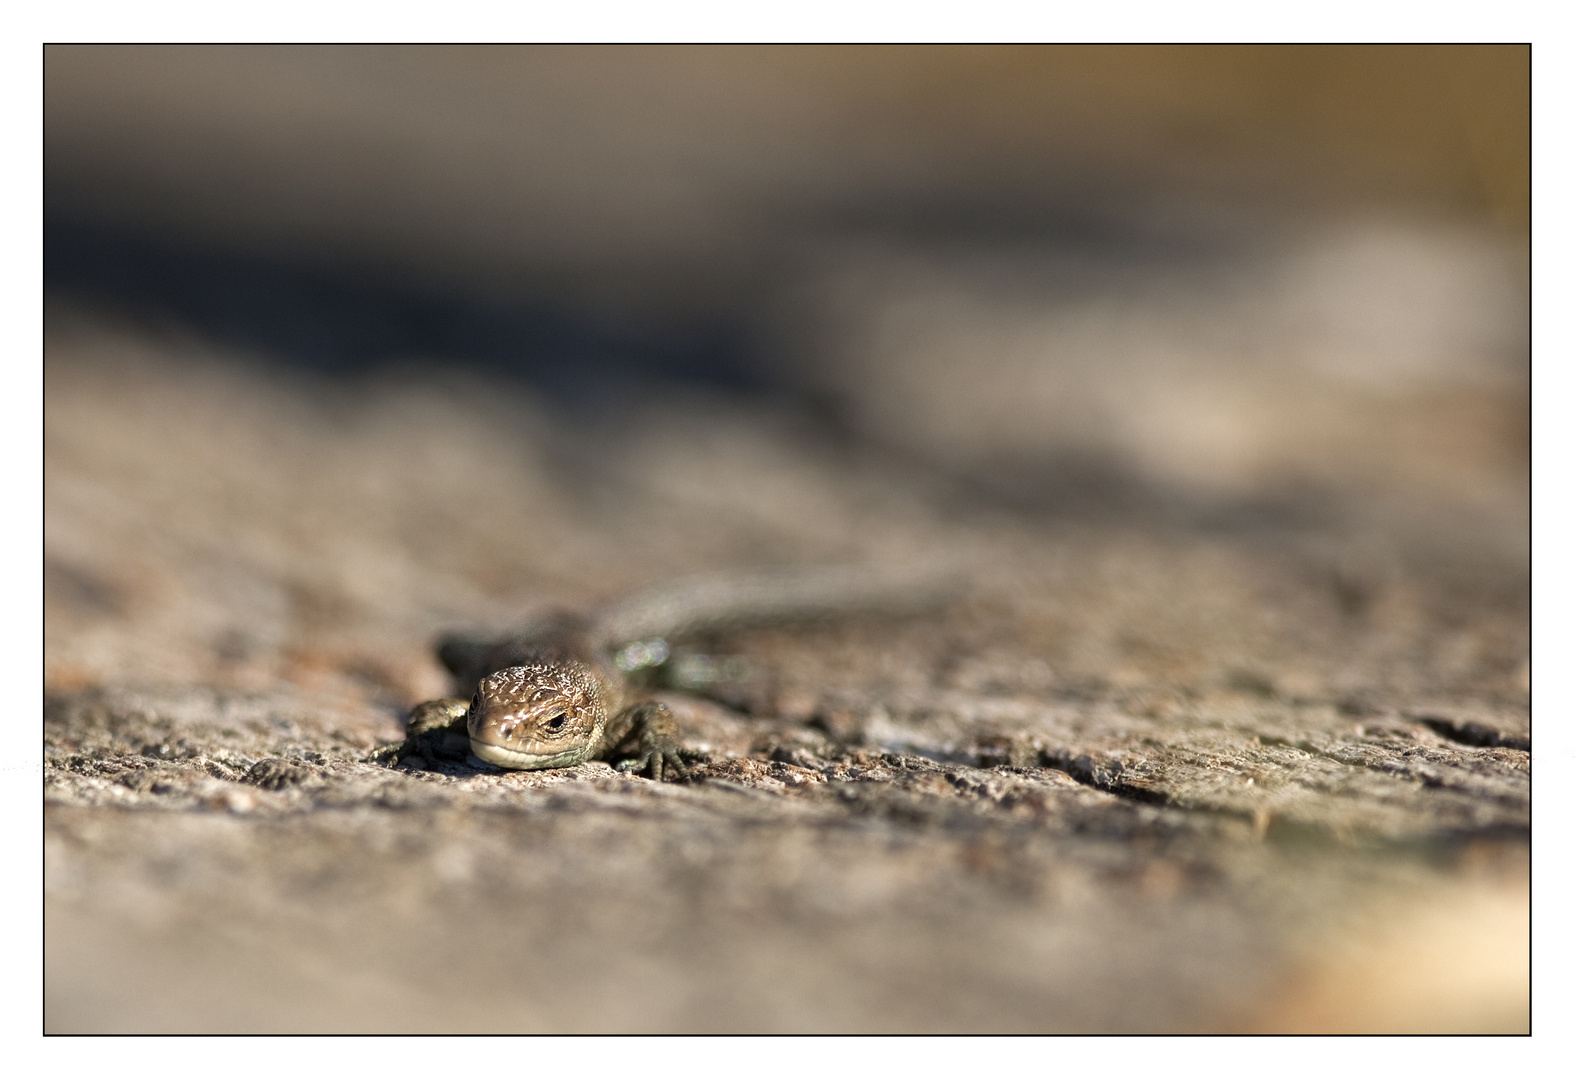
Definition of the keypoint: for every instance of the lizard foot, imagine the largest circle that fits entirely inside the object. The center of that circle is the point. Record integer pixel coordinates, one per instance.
(659, 763)
(436, 729)
(654, 736)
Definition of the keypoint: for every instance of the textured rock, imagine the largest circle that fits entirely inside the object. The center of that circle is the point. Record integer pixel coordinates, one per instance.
(1155, 768)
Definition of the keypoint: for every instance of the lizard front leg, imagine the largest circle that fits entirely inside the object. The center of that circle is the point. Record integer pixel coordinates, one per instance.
(436, 729)
(649, 730)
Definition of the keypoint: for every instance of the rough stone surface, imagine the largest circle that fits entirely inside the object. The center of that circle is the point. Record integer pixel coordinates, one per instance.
(1253, 765)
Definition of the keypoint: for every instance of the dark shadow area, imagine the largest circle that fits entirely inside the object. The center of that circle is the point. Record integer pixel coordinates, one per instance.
(351, 320)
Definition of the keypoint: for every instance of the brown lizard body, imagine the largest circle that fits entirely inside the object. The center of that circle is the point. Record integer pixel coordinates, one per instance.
(560, 692)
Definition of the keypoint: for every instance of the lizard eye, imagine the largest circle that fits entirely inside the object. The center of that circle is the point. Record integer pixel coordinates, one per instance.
(555, 723)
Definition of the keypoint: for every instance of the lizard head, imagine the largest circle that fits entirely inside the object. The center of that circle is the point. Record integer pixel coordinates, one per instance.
(538, 716)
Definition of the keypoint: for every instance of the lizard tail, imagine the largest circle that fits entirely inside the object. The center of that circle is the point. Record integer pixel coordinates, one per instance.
(753, 597)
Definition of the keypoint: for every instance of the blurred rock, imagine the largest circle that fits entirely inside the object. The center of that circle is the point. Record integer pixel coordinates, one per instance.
(1376, 357)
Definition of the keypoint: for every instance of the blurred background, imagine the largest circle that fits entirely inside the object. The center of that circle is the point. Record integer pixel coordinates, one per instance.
(347, 345)
(1065, 280)
(1228, 268)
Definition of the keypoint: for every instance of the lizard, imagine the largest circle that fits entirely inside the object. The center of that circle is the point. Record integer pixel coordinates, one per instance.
(570, 688)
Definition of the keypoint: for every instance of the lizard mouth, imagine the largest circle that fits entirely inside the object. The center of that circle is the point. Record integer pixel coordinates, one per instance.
(509, 758)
